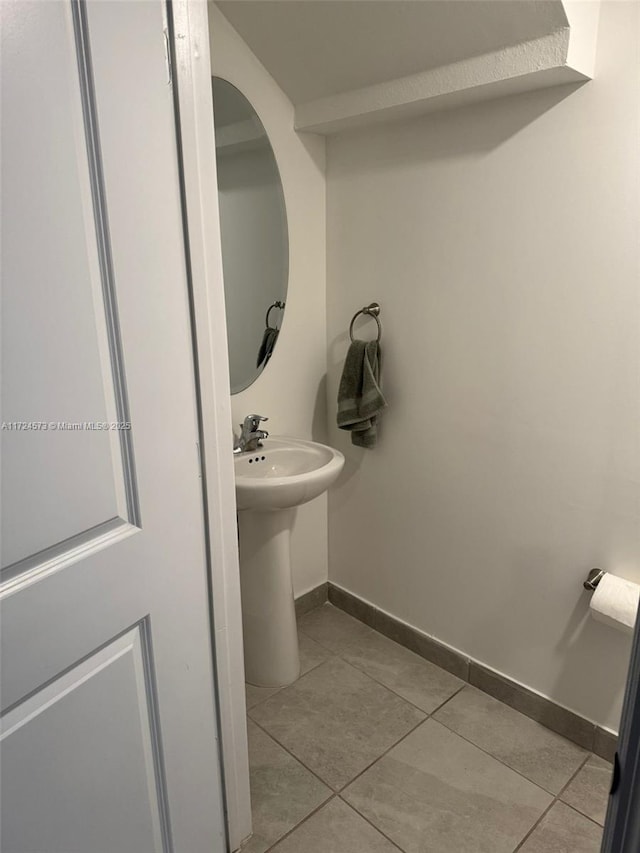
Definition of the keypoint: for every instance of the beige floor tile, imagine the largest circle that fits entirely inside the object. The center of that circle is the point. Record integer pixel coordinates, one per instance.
(336, 720)
(546, 758)
(415, 679)
(333, 628)
(335, 828)
(434, 791)
(311, 653)
(563, 830)
(258, 694)
(256, 845)
(589, 791)
(283, 792)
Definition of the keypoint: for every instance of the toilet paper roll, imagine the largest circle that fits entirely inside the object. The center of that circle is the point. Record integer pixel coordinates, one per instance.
(615, 602)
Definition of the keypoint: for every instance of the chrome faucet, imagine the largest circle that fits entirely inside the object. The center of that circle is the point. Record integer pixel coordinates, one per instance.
(250, 435)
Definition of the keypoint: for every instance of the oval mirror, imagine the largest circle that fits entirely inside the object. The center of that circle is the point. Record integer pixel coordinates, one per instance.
(253, 227)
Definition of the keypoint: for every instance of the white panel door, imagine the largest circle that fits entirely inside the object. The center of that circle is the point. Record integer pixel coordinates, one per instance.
(109, 738)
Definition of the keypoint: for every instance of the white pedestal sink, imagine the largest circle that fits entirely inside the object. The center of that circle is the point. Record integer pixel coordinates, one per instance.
(270, 483)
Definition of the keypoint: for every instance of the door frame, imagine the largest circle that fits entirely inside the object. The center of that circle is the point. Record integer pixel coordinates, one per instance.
(188, 44)
(622, 824)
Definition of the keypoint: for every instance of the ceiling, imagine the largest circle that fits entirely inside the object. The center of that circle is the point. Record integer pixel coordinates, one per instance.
(319, 48)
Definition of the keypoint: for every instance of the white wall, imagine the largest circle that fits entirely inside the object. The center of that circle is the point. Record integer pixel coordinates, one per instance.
(501, 242)
(291, 389)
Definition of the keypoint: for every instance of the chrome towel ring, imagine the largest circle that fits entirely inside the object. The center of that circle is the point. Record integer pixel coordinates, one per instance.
(277, 304)
(372, 310)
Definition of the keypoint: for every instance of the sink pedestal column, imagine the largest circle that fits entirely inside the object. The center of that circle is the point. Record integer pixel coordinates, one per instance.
(268, 611)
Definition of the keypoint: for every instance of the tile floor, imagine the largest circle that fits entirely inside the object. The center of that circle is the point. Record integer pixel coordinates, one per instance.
(375, 750)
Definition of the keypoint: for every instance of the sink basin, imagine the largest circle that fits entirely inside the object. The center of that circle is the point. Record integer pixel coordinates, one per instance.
(284, 473)
(270, 483)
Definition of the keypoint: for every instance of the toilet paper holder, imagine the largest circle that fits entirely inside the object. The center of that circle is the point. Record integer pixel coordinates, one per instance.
(594, 578)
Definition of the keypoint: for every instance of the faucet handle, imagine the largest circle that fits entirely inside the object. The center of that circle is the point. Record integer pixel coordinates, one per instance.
(252, 422)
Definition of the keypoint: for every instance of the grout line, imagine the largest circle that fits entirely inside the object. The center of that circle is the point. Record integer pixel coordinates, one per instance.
(370, 822)
(264, 699)
(320, 643)
(300, 822)
(581, 814)
(288, 751)
(564, 787)
(311, 668)
(382, 755)
(555, 800)
(446, 701)
(535, 826)
(513, 769)
(582, 766)
(395, 692)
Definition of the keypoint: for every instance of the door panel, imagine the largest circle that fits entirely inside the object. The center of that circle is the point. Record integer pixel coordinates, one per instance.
(56, 310)
(82, 809)
(107, 668)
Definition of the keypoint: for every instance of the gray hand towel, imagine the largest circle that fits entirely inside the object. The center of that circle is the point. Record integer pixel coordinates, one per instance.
(269, 339)
(360, 399)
